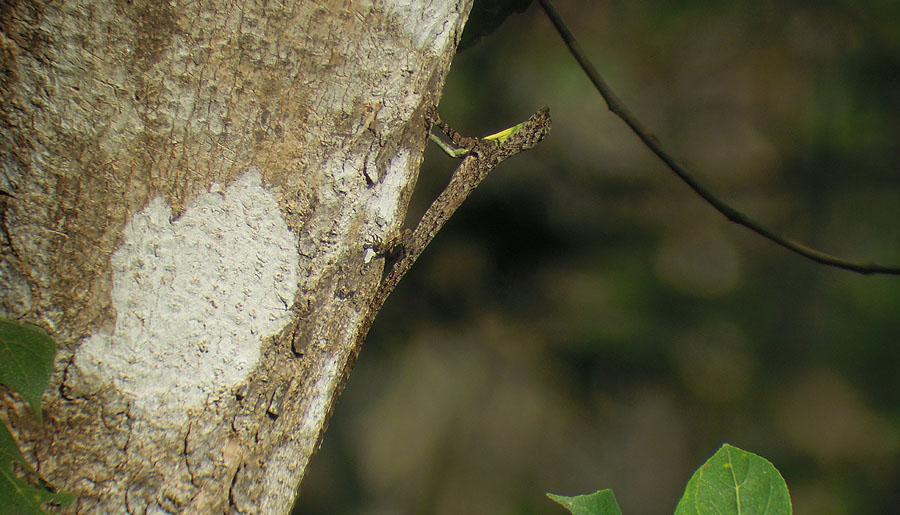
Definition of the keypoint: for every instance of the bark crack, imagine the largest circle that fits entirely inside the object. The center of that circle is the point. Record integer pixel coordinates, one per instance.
(186, 454)
(5, 199)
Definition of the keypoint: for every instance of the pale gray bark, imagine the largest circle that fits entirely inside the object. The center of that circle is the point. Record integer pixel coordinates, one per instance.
(193, 185)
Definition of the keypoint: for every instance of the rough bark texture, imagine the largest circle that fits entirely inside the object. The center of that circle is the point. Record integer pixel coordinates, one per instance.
(192, 186)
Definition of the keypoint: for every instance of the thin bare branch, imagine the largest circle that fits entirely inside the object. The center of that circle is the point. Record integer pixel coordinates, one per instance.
(618, 108)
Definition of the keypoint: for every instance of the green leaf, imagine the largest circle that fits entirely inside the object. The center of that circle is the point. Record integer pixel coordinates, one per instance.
(486, 16)
(19, 497)
(16, 494)
(62, 499)
(736, 482)
(9, 451)
(26, 360)
(26, 363)
(602, 502)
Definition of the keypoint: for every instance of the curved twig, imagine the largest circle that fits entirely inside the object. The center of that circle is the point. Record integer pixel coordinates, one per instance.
(618, 108)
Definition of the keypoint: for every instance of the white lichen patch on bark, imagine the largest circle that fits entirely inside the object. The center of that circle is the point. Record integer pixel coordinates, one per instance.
(383, 201)
(377, 209)
(383, 207)
(195, 297)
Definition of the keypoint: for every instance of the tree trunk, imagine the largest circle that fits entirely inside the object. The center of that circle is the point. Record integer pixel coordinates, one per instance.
(191, 187)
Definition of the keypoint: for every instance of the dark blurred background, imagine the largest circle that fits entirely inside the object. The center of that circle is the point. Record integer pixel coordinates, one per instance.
(585, 321)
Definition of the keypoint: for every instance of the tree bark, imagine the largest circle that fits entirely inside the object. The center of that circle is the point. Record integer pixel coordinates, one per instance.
(188, 188)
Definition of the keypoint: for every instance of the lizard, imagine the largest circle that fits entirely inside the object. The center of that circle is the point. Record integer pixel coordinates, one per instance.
(479, 157)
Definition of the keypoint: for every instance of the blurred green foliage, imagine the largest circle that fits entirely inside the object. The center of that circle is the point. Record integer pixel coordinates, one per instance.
(585, 320)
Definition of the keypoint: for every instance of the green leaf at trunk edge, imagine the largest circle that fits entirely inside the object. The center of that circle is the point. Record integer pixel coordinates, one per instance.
(26, 360)
(602, 502)
(16, 494)
(9, 451)
(19, 497)
(737, 482)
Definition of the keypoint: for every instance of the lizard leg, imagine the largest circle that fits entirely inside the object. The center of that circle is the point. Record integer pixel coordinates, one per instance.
(450, 151)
